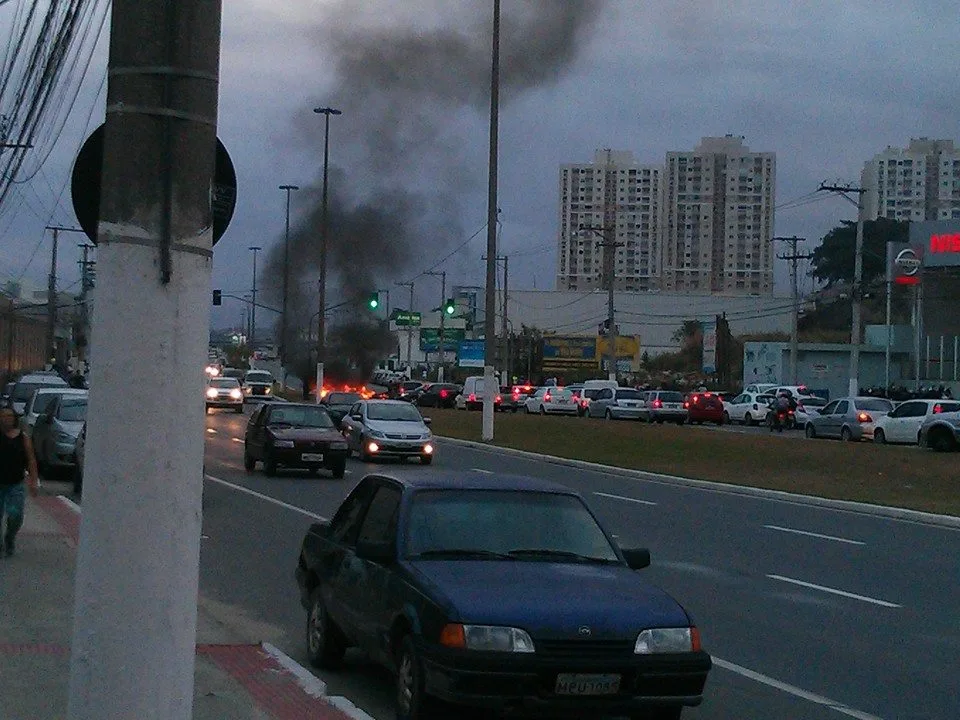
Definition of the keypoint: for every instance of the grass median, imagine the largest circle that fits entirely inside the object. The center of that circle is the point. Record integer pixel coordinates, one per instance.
(882, 474)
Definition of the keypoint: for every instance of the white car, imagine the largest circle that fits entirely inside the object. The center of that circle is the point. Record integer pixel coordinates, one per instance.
(41, 399)
(760, 388)
(808, 406)
(552, 401)
(903, 424)
(748, 408)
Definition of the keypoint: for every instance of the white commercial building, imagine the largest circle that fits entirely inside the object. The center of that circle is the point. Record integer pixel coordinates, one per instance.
(921, 182)
(612, 192)
(718, 219)
(654, 317)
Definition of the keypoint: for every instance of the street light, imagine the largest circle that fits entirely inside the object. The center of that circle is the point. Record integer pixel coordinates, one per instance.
(253, 305)
(489, 325)
(286, 278)
(321, 323)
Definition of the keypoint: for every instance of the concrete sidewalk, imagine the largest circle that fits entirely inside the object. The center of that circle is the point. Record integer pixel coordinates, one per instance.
(237, 677)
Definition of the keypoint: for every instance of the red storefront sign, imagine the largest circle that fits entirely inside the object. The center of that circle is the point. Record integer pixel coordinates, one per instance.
(946, 243)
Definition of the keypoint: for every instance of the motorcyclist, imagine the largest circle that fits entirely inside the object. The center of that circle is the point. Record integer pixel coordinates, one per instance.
(782, 405)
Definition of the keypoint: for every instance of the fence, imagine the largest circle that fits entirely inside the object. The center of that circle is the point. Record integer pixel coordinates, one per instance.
(940, 355)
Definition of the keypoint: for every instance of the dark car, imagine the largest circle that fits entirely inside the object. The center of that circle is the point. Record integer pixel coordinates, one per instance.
(704, 407)
(511, 399)
(338, 404)
(406, 390)
(495, 591)
(438, 395)
(294, 435)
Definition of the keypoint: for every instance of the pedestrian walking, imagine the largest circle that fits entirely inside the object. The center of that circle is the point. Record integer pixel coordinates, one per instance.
(17, 462)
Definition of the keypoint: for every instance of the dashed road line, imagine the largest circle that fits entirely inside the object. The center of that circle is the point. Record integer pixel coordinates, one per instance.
(834, 538)
(482, 471)
(834, 591)
(626, 499)
(265, 498)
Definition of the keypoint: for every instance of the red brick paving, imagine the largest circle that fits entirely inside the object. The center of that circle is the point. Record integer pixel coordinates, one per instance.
(67, 519)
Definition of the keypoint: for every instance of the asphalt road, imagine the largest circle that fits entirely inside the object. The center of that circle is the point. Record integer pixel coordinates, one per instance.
(809, 612)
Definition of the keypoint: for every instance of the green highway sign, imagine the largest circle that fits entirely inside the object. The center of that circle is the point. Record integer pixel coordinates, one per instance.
(405, 318)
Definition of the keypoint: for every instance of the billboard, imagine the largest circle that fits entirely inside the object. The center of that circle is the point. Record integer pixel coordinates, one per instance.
(568, 352)
(470, 353)
(430, 339)
(628, 352)
(709, 348)
(937, 242)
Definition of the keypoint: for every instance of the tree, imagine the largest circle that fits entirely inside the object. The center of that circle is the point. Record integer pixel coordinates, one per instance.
(833, 261)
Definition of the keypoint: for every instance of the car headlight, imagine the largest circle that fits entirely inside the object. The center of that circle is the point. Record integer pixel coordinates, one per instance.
(667, 640)
(64, 438)
(211, 393)
(267, 390)
(490, 638)
(376, 434)
(338, 446)
(236, 394)
(283, 443)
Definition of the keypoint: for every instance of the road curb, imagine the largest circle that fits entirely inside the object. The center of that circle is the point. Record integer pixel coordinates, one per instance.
(895, 513)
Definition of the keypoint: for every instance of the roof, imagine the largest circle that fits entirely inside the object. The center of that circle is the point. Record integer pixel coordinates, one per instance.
(472, 480)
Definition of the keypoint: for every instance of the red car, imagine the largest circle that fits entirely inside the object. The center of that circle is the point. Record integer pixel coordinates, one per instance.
(704, 407)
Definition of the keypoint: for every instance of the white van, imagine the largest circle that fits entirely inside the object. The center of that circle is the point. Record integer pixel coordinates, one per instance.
(600, 385)
(471, 398)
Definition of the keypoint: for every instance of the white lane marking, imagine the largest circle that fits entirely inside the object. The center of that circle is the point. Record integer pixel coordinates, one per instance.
(211, 431)
(793, 690)
(70, 504)
(621, 497)
(265, 498)
(481, 470)
(237, 440)
(834, 538)
(834, 591)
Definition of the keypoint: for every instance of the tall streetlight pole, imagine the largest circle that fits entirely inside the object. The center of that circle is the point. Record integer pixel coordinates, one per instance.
(52, 293)
(253, 305)
(286, 282)
(441, 351)
(321, 319)
(490, 318)
(409, 326)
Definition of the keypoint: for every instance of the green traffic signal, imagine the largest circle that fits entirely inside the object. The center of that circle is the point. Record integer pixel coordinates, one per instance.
(449, 307)
(374, 302)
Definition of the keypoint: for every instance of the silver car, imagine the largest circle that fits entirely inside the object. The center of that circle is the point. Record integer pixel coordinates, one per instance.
(388, 428)
(56, 431)
(616, 403)
(664, 406)
(941, 432)
(849, 418)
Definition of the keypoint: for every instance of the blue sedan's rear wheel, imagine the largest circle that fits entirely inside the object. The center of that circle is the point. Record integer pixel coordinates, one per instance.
(325, 644)
(413, 703)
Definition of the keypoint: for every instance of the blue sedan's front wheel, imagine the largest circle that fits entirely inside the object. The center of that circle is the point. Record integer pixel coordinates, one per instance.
(413, 703)
(325, 643)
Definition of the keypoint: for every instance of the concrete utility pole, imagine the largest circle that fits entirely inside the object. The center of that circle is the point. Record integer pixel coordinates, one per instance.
(286, 283)
(490, 296)
(135, 608)
(853, 388)
(253, 304)
(51, 343)
(609, 245)
(441, 352)
(793, 258)
(86, 284)
(409, 326)
(324, 245)
(503, 318)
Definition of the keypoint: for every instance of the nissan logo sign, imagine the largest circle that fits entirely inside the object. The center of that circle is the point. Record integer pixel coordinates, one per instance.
(908, 262)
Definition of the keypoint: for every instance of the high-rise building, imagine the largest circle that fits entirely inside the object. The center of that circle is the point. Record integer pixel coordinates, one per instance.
(921, 182)
(718, 219)
(613, 191)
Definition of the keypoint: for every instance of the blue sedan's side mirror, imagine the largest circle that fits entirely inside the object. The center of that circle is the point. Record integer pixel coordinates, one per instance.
(637, 559)
(378, 552)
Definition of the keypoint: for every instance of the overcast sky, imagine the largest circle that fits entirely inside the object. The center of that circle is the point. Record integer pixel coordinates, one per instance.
(824, 86)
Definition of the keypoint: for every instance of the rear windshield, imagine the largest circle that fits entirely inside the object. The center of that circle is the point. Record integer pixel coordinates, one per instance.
(343, 398)
(591, 393)
(671, 397)
(813, 401)
(946, 407)
(23, 390)
(629, 394)
(259, 377)
(73, 410)
(224, 383)
(877, 404)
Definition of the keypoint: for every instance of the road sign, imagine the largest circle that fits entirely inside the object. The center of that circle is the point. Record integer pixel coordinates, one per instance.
(471, 353)
(87, 177)
(430, 339)
(405, 318)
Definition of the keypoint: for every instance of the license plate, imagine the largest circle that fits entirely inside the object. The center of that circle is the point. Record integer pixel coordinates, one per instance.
(673, 406)
(576, 684)
(312, 457)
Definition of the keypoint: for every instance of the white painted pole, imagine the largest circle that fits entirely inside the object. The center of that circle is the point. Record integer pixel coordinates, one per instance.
(490, 389)
(319, 381)
(135, 610)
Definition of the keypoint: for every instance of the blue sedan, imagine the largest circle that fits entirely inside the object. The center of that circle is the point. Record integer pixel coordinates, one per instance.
(499, 592)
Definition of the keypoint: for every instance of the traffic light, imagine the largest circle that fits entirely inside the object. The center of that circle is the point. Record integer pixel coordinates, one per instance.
(218, 297)
(373, 302)
(449, 306)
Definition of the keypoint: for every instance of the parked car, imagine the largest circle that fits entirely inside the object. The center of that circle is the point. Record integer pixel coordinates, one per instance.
(903, 424)
(704, 407)
(56, 430)
(258, 384)
(28, 383)
(405, 390)
(438, 395)
(224, 393)
(941, 432)
(498, 592)
(471, 395)
(585, 397)
(232, 372)
(808, 406)
(760, 388)
(551, 401)
(664, 406)
(748, 408)
(511, 399)
(40, 401)
(616, 403)
(338, 404)
(388, 428)
(796, 391)
(849, 418)
(294, 435)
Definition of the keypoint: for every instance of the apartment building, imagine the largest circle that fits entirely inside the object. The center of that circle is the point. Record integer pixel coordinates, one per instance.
(616, 192)
(919, 182)
(717, 227)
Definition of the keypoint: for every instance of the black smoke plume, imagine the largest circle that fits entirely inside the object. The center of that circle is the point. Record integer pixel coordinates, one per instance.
(414, 92)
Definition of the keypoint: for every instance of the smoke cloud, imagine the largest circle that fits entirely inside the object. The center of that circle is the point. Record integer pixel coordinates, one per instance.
(414, 88)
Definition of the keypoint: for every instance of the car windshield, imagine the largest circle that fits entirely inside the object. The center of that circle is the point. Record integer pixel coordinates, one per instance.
(301, 416)
(671, 397)
(23, 390)
(813, 401)
(259, 377)
(224, 383)
(628, 394)
(524, 525)
(875, 404)
(73, 410)
(342, 398)
(591, 393)
(559, 393)
(233, 373)
(400, 411)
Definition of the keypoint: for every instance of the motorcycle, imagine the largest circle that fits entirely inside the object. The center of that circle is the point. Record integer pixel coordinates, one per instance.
(781, 420)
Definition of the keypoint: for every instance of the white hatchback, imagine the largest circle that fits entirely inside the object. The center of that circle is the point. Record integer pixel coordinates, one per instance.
(902, 425)
(552, 401)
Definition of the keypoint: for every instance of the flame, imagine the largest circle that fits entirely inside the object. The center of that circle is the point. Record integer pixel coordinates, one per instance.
(361, 390)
